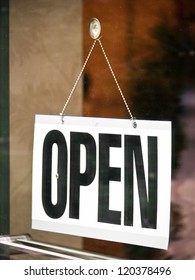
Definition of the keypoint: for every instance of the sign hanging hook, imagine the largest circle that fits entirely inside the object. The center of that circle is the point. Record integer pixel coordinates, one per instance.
(95, 31)
(94, 28)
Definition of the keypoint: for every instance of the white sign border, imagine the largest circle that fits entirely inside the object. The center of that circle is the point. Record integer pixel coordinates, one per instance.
(147, 236)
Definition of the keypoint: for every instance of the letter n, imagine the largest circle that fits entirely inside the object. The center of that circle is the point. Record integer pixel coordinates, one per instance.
(147, 199)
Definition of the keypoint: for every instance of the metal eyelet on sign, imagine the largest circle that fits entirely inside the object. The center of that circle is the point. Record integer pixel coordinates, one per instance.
(134, 124)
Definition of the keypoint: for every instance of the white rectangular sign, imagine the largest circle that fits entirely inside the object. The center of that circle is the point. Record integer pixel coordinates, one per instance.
(102, 178)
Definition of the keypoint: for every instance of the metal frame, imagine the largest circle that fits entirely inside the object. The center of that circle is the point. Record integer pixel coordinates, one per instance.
(4, 117)
(24, 244)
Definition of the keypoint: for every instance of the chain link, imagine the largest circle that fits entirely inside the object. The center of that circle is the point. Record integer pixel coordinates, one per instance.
(113, 75)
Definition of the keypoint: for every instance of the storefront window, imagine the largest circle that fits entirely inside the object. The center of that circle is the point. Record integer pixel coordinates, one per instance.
(151, 47)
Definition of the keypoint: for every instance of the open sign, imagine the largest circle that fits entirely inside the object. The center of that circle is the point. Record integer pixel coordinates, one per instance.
(102, 178)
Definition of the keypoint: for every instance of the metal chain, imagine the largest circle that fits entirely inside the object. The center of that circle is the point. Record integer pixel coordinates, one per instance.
(112, 72)
(77, 80)
(122, 95)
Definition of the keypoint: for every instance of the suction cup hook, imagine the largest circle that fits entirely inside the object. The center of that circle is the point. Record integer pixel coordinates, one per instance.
(94, 28)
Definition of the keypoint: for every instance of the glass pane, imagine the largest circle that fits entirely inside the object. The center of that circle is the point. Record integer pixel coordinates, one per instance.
(151, 47)
(45, 58)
